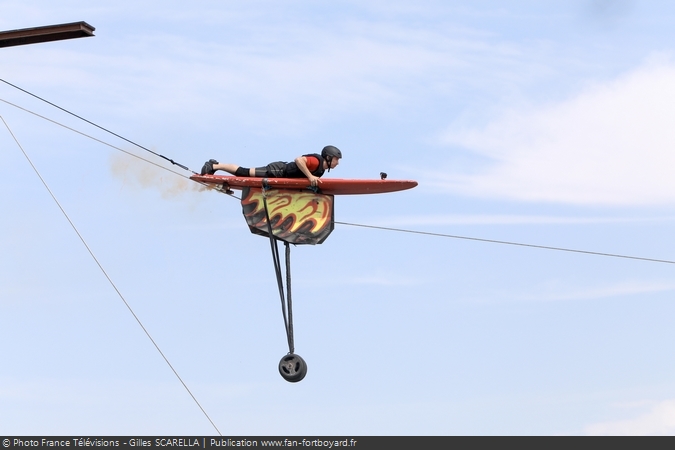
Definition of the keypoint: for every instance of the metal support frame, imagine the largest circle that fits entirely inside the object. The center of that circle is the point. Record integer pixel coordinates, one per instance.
(48, 33)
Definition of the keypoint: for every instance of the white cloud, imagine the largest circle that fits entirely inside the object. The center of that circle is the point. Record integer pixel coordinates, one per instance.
(241, 64)
(382, 280)
(557, 292)
(374, 279)
(612, 144)
(659, 420)
(564, 289)
(274, 83)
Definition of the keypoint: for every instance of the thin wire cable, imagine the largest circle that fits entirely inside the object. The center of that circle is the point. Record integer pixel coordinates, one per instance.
(544, 247)
(91, 137)
(107, 276)
(106, 144)
(97, 126)
(493, 241)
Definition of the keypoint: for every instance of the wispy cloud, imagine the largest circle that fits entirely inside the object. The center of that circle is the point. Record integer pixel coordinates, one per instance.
(382, 280)
(612, 144)
(624, 288)
(658, 420)
(287, 74)
(372, 279)
(564, 290)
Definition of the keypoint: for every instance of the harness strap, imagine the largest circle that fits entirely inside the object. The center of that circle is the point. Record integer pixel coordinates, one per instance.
(286, 303)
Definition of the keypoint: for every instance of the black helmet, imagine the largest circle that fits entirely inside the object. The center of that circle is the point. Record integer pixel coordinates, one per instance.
(330, 152)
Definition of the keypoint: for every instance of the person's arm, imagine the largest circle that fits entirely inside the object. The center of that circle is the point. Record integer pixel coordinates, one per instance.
(301, 162)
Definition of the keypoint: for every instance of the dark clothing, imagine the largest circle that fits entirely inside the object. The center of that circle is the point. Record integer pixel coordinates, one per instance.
(281, 169)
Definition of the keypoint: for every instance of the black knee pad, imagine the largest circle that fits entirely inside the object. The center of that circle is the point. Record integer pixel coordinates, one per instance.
(242, 172)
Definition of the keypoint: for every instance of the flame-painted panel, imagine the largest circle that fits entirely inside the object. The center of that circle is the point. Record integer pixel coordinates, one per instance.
(297, 217)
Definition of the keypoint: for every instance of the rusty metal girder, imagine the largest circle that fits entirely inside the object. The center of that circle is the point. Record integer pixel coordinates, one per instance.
(48, 33)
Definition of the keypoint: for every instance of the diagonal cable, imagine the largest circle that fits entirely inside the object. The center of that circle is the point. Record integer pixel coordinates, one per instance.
(493, 241)
(520, 244)
(90, 137)
(107, 276)
(104, 142)
(97, 126)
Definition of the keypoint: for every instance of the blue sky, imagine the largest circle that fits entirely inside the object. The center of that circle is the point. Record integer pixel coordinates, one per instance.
(541, 123)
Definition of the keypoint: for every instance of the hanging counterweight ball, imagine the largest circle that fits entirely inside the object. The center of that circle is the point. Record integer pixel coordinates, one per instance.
(293, 368)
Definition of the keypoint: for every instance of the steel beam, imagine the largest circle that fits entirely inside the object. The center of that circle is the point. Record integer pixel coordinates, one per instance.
(45, 34)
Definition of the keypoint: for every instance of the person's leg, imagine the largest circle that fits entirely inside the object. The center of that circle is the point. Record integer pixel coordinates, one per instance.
(211, 166)
(233, 169)
(276, 169)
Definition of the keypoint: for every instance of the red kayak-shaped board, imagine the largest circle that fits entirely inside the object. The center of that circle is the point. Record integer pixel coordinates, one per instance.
(330, 186)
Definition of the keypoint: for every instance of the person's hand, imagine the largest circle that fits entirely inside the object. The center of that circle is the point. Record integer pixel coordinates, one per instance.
(314, 180)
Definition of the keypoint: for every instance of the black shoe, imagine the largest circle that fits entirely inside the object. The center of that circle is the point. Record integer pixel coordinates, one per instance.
(208, 167)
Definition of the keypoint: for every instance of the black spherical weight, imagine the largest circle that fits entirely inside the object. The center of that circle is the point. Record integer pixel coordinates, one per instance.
(292, 368)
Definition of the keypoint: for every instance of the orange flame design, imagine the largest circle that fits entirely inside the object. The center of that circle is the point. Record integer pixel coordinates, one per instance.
(297, 217)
